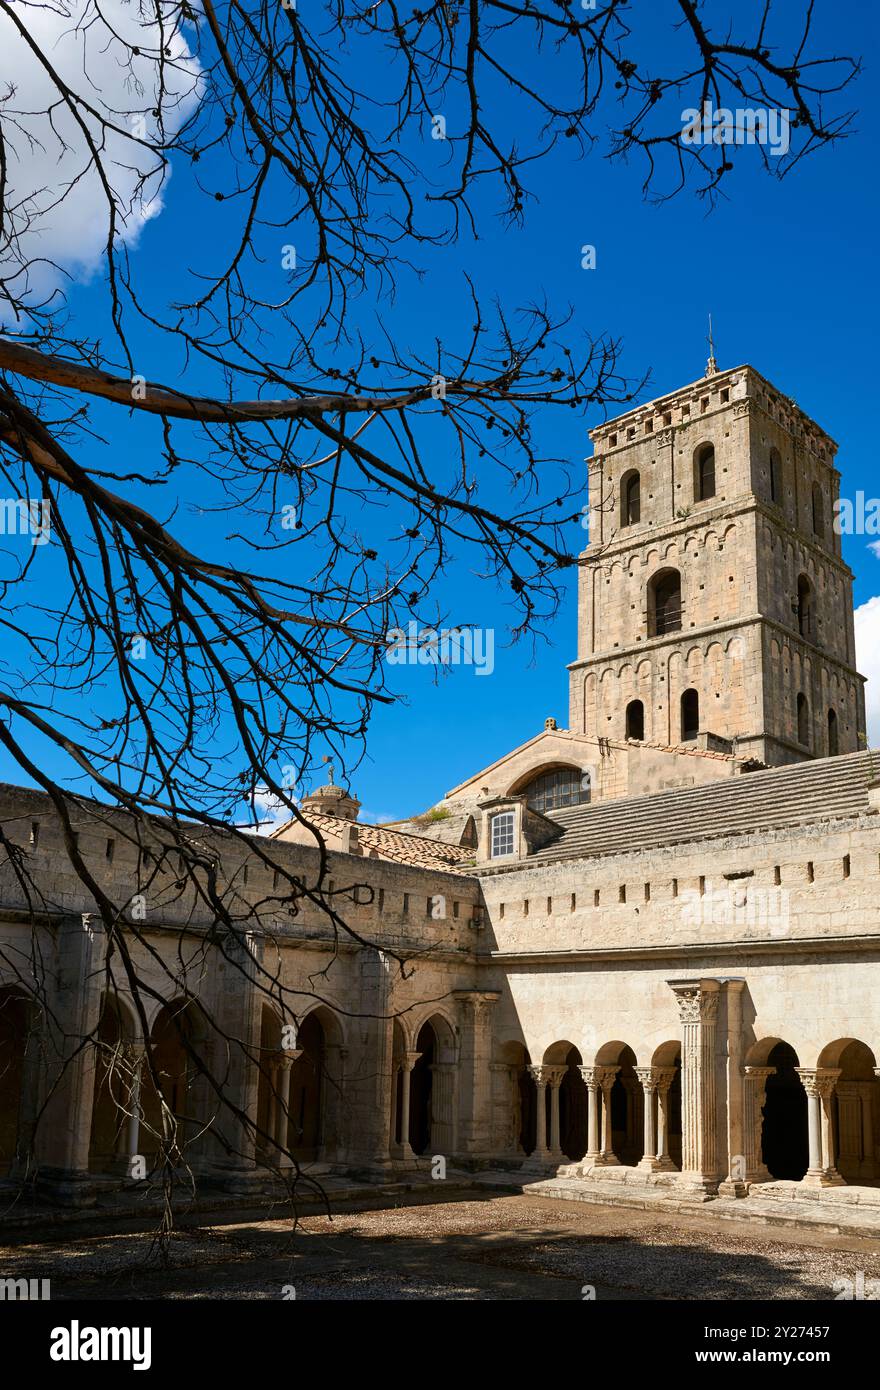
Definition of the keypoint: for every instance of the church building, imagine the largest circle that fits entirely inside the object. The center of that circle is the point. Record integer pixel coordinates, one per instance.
(642, 949)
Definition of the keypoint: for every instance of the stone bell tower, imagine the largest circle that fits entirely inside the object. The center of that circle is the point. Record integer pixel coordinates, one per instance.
(714, 608)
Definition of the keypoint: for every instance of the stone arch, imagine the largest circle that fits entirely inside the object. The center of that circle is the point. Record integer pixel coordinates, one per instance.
(784, 1143)
(514, 1101)
(855, 1108)
(627, 1110)
(116, 1092)
(572, 1100)
(176, 1110)
(430, 1077)
(666, 1058)
(19, 1039)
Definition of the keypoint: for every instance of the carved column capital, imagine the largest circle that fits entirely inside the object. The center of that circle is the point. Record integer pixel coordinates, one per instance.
(607, 1077)
(697, 1000)
(649, 1078)
(591, 1077)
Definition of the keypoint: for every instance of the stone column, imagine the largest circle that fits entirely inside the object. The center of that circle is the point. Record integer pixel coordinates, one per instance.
(282, 1109)
(650, 1080)
(591, 1081)
(554, 1081)
(407, 1062)
(754, 1092)
(665, 1078)
(475, 1092)
(828, 1078)
(819, 1085)
(813, 1175)
(539, 1075)
(135, 1056)
(698, 1008)
(607, 1158)
(734, 1184)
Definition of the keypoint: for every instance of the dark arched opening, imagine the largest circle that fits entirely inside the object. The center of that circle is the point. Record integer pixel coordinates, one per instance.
(690, 715)
(803, 719)
(704, 472)
(833, 745)
(784, 1142)
(664, 603)
(635, 720)
(421, 1085)
(631, 498)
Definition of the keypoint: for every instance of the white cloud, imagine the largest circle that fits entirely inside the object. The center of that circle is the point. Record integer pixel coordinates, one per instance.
(55, 204)
(868, 662)
(271, 811)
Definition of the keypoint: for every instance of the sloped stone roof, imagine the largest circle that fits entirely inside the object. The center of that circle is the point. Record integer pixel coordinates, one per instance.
(804, 793)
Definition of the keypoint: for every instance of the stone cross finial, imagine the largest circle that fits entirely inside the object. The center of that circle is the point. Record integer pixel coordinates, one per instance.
(711, 365)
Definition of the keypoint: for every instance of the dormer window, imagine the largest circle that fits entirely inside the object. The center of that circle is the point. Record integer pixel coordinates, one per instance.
(501, 835)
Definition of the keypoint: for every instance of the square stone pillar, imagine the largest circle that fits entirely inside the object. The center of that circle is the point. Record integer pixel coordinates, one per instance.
(474, 1141)
(236, 1054)
(371, 1075)
(63, 1131)
(698, 1009)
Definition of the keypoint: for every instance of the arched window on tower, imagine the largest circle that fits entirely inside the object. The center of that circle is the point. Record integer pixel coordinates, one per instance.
(833, 745)
(664, 603)
(805, 607)
(631, 499)
(704, 472)
(775, 477)
(818, 511)
(803, 719)
(690, 715)
(635, 720)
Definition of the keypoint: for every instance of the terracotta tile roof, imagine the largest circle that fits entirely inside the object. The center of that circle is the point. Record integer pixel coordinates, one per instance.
(397, 845)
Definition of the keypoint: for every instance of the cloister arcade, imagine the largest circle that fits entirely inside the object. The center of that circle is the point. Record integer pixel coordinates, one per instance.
(615, 1106)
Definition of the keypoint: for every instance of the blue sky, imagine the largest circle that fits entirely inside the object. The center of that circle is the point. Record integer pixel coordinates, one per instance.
(787, 270)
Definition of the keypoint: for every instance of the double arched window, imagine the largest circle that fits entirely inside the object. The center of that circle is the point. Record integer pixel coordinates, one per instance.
(704, 472)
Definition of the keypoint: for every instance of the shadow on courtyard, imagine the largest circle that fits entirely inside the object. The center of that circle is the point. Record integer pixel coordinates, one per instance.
(487, 1248)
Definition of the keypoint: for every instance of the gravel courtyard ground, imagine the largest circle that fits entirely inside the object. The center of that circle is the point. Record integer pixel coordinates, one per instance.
(504, 1247)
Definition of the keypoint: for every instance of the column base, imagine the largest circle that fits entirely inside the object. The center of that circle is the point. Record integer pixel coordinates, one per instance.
(822, 1177)
(698, 1186)
(67, 1189)
(607, 1161)
(733, 1187)
(649, 1163)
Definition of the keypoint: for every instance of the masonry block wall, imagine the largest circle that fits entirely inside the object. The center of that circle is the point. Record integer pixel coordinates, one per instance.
(765, 599)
